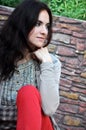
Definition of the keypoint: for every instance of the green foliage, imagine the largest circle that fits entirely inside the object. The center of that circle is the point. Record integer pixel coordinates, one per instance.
(11, 3)
(69, 8)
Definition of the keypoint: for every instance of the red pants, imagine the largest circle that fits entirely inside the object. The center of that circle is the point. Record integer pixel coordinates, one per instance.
(30, 114)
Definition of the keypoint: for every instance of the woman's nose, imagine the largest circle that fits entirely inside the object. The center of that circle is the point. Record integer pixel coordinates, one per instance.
(44, 30)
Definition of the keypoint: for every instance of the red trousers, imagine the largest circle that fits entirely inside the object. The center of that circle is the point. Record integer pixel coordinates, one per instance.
(30, 114)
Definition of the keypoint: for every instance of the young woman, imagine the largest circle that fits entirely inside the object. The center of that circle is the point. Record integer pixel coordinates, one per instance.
(29, 74)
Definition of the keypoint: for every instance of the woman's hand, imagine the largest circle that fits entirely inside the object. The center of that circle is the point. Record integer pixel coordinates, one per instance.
(43, 55)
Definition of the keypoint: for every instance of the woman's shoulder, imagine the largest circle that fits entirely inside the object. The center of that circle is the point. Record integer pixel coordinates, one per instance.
(55, 59)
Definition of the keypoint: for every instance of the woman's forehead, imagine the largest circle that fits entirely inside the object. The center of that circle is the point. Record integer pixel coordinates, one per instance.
(44, 17)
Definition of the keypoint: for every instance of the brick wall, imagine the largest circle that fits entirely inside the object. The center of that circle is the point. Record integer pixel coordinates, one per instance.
(69, 43)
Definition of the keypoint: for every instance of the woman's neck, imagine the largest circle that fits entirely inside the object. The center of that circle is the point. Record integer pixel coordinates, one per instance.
(26, 58)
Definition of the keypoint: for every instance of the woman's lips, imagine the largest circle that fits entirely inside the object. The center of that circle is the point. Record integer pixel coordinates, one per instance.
(41, 38)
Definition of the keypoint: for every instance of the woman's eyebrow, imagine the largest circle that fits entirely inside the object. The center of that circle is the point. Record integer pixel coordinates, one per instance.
(42, 21)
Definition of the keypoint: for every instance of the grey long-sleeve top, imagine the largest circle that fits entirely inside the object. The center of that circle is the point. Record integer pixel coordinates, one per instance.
(48, 84)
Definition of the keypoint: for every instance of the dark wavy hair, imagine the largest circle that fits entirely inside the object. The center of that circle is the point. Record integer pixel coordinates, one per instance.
(13, 36)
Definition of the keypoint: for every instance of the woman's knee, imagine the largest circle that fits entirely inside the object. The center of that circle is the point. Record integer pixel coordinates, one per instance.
(27, 92)
(27, 89)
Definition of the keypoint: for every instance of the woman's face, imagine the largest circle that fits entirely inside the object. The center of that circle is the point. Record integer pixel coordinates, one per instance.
(38, 35)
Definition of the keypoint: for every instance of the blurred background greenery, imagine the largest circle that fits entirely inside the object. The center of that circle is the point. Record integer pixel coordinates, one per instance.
(68, 8)
(10, 3)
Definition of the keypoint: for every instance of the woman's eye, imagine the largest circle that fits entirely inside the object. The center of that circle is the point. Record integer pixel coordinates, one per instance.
(38, 24)
(48, 26)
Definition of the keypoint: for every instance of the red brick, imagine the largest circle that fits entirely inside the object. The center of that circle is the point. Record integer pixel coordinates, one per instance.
(73, 66)
(55, 30)
(68, 20)
(69, 27)
(79, 35)
(65, 82)
(65, 31)
(82, 110)
(76, 79)
(66, 51)
(84, 24)
(64, 88)
(68, 108)
(82, 104)
(5, 13)
(80, 46)
(78, 85)
(69, 101)
(62, 59)
(70, 73)
(83, 91)
(72, 61)
(75, 40)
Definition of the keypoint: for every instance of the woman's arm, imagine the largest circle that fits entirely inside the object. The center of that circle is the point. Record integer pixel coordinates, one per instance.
(50, 70)
(49, 85)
